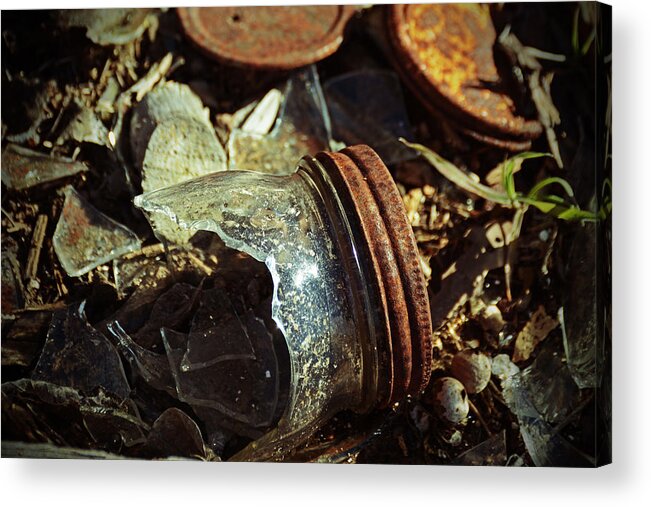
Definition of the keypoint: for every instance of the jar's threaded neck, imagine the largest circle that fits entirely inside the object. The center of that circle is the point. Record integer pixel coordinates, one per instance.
(396, 306)
(364, 293)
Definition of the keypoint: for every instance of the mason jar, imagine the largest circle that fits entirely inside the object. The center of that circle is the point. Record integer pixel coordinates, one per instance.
(349, 296)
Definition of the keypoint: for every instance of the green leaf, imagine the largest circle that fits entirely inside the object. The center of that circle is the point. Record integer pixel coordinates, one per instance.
(512, 165)
(508, 178)
(458, 177)
(575, 31)
(556, 207)
(588, 42)
(536, 189)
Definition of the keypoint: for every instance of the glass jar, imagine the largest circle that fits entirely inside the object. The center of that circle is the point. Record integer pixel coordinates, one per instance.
(349, 296)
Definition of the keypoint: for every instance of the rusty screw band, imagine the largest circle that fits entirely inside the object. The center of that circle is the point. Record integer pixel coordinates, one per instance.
(443, 53)
(394, 254)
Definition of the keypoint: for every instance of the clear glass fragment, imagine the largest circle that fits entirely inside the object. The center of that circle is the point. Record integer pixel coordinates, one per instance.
(243, 389)
(545, 446)
(217, 333)
(503, 368)
(174, 433)
(172, 309)
(24, 168)
(581, 322)
(173, 140)
(68, 418)
(84, 127)
(367, 107)
(551, 386)
(491, 452)
(302, 126)
(76, 355)
(86, 238)
(226, 367)
(152, 367)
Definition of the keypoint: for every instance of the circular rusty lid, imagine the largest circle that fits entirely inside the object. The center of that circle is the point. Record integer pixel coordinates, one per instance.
(444, 52)
(395, 259)
(267, 37)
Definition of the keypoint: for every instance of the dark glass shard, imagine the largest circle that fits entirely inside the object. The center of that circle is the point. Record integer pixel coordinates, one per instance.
(76, 355)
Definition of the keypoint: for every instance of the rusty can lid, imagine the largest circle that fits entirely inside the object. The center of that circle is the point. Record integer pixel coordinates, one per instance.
(395, 259)
(270, 37)
(444, 52)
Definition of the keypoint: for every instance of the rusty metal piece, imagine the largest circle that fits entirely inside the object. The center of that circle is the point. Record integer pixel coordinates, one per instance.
(406, 252)
(444, 52)
(273, 38)
(395, 324)
(395, 260)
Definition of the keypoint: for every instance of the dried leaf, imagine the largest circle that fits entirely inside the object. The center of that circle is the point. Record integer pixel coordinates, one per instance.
(536, 330)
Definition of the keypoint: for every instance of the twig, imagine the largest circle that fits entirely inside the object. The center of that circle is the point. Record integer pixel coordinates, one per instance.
(48, 307)
(35, 248)
(480, 418)
(13, 224)
(511, 241)
(200, 264)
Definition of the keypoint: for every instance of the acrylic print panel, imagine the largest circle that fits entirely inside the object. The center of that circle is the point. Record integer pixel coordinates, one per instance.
(340, 234)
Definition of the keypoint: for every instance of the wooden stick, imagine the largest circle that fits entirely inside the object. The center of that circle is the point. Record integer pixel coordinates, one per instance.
(35, 248)
(480, 418)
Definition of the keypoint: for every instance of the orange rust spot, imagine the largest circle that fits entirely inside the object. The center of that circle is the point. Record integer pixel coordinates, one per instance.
(449, 49)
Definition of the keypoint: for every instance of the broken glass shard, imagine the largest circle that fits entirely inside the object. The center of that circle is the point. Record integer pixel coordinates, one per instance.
(67, 418)
(551, 386)
(217, 333)
(134, 313)
(84, 127)
(152, 367)
(367, 107)
(173, 140)
(491, 452)
(503, 368)
(23, 168)
(174, 433)
(171, 310)
(545, 446)
(86, 238)
(76, 355)
(582, 328)
(226, 368)
(23, 117)
(302, 126)
(242, 389)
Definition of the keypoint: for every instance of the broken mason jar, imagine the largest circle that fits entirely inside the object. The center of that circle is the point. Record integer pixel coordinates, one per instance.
(349, 295)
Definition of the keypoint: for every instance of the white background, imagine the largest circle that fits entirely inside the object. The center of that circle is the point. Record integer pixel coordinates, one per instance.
(626, 482)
